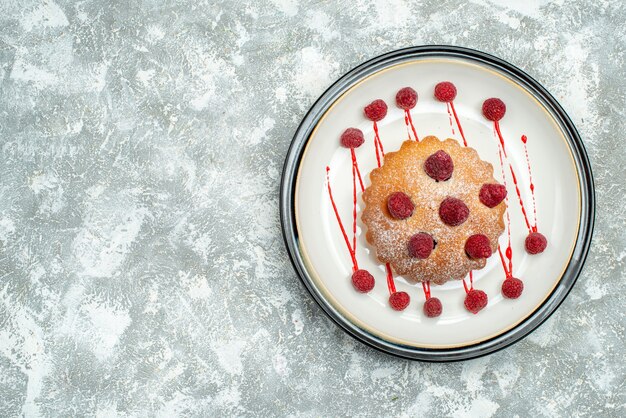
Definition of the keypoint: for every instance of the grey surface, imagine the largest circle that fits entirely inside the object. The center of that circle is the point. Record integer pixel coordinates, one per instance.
(142, 271)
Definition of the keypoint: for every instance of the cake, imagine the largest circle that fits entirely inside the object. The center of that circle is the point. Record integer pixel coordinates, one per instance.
(434, 210)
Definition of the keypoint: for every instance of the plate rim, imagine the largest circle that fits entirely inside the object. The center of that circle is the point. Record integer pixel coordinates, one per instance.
(585, 178)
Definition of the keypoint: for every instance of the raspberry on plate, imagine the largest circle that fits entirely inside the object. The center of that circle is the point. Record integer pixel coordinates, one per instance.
(445, 91)
(535, 243)
(475, 301)
(376, 110)
(363, 281)
(352, 138)
(512, 288)
(433, 307)
(399, 300)
(494, 109)
(406, 98)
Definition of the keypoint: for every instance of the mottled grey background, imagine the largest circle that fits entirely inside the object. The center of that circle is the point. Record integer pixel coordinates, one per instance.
(142, 270)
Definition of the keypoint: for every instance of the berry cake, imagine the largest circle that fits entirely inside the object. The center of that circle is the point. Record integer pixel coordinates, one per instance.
(434, 211)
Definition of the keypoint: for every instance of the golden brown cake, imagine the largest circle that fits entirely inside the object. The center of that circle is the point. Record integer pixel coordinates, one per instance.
(390, 232)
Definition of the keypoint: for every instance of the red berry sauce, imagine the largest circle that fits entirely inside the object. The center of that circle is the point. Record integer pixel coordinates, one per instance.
(446, 92)
(376, 111)
(406, 99)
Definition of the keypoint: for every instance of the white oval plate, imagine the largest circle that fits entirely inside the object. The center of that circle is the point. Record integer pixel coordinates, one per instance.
(556, 171)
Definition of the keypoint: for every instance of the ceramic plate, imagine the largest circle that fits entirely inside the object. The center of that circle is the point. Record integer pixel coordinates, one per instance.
(552, 156)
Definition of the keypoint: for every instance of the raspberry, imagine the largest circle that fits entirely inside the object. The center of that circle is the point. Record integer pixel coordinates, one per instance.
(421, 245)
(478, 246)
(399, 300)
(376, 110)
(352, 138)
(492, 194)
(512, 288)
(453, 211)
(363, 281)
(406, 98)
(433, 307)
(439, 166)
(400, 205)
(494, 109)
(535, 243)
(475, 301)
(445, 91)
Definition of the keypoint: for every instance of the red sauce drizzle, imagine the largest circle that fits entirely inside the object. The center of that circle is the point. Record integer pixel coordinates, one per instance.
(378, 145)
(377, 152)
(471, 280)
(406, 123)
(408, 117)
(504, 264)
(426, 287)
(450, 117)
(351, 250)
(508, 270)
(458, 123)
(450, 106)
(497, 126)
(517, 191)
(519, 197)
(354, 209)
(355, 165)
(390, 283)
(532, 185)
